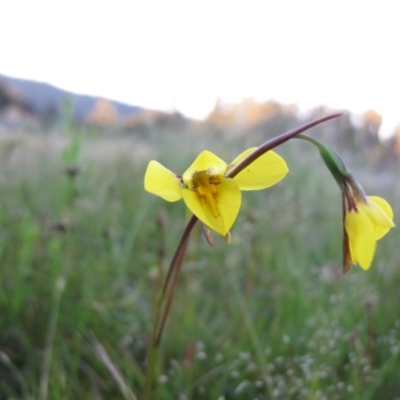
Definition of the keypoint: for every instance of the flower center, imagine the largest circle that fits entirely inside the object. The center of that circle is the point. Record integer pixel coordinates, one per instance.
(205, 184)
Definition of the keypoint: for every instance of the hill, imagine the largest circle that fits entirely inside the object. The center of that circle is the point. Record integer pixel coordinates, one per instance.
(44, 100)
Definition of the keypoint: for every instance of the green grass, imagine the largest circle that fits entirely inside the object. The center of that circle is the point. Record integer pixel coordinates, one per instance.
(268, 317)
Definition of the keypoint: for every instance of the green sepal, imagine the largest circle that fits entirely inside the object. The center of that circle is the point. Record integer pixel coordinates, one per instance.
(331, 159)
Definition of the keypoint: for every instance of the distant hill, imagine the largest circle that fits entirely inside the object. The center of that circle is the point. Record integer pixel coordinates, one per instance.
(44, 100)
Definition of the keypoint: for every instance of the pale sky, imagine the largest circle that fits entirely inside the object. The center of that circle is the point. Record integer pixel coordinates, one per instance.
(171, 54)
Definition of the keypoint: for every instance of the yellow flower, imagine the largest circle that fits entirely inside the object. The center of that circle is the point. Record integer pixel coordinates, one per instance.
(209, 194)
(367, 219)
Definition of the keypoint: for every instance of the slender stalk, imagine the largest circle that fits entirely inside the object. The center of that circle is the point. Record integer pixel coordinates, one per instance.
(171, 291)
(185, 236)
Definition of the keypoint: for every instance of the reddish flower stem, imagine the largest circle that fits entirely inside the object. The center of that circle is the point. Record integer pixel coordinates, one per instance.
(177, 261)
(270, 144)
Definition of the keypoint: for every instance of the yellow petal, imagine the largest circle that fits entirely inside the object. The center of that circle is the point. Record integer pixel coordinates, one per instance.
(362, 241)
(162, 182)
(205, 161)
(264, 172)
(381, 214)
(218, 212)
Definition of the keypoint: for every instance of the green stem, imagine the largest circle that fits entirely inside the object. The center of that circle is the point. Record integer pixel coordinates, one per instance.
(249, 324)
(51, 333)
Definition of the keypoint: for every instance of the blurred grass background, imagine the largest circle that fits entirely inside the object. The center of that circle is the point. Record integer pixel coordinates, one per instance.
(83, 247)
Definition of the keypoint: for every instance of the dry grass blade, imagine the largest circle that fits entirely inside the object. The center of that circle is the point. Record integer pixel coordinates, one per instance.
(112, 368)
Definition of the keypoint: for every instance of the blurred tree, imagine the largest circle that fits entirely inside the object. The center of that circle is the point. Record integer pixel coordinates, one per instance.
(103, 115)
(221, 116)
(9, 97)
(394, 141)
(370, 128)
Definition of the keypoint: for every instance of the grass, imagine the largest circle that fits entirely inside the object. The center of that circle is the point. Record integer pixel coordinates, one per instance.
(268, 317)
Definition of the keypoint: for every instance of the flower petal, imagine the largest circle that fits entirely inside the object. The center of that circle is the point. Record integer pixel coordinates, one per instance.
(162, 182)
(264, 172)
(361, 232)
(381, 214)
(220, 215)
(205, 161)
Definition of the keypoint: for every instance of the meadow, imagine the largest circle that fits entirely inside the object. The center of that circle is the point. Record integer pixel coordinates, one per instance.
(83, 251)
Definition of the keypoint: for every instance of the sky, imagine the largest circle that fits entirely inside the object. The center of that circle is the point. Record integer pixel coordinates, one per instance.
(183, 55)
